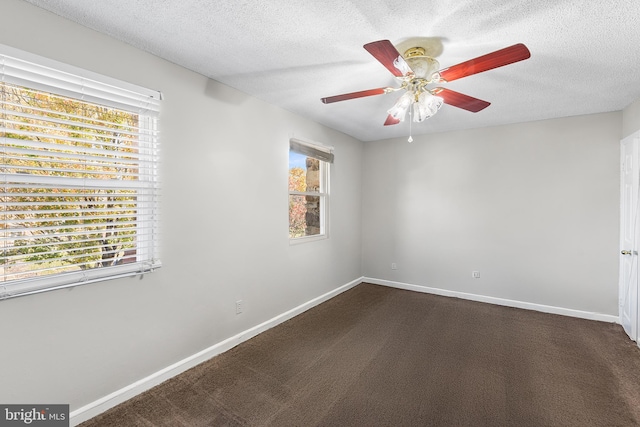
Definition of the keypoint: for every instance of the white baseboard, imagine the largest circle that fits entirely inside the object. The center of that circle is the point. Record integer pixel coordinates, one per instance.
(498, 301)
(101, 405)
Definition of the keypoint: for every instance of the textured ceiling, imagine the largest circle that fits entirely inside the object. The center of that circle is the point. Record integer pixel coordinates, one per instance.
(585, 55)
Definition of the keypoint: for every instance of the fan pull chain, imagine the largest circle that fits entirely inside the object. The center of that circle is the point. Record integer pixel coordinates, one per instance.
(410, 121)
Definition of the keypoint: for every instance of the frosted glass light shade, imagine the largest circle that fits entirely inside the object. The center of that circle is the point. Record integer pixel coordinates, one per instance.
(399, 110)
(426, 106)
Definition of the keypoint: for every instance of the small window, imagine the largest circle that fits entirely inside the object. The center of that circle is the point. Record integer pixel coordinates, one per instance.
(79, 187)
(308, 190)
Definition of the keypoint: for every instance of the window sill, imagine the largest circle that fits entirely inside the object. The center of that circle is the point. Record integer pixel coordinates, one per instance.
(71, 280)
(307, 239)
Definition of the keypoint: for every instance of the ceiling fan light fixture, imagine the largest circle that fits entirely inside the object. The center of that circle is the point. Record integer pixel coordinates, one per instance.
(426, 106)
(399, 109)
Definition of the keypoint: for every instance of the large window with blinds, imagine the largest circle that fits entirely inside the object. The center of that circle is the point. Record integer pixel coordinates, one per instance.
(79, 184)
(308, 190)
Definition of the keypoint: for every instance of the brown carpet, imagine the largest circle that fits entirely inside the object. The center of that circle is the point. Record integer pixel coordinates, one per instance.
(377, 356)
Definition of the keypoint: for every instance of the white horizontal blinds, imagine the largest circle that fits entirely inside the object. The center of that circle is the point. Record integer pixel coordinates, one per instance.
(321, 153)
(24, 69)
(79, 187)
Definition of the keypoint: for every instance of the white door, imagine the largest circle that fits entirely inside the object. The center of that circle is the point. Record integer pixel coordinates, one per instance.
(629, 183)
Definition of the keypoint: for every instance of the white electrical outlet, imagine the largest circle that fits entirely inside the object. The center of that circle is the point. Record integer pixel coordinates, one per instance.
(394, 266)
(475, 274)
(239, 306)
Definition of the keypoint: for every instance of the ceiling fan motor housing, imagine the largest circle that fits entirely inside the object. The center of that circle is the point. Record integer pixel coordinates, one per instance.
(423, 66)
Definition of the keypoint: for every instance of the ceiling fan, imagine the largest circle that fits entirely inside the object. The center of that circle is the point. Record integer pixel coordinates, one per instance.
(417, 69)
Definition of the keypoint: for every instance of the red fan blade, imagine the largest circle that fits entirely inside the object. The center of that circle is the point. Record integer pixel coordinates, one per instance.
(353, 95)
(388, 56)
(460, 100)
(391, 121)
(499, 58)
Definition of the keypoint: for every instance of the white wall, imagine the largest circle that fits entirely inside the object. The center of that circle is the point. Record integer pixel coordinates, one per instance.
(532, 206)
(631, 118)
(225, 231)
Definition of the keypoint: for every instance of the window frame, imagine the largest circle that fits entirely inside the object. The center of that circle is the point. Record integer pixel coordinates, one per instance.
(34, 72)
(325, 156)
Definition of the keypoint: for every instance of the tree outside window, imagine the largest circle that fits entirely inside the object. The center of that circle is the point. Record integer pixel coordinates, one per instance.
(308, 192)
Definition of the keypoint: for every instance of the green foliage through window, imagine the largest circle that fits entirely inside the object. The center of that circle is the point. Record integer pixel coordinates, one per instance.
(69, 197)
(307, 195)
